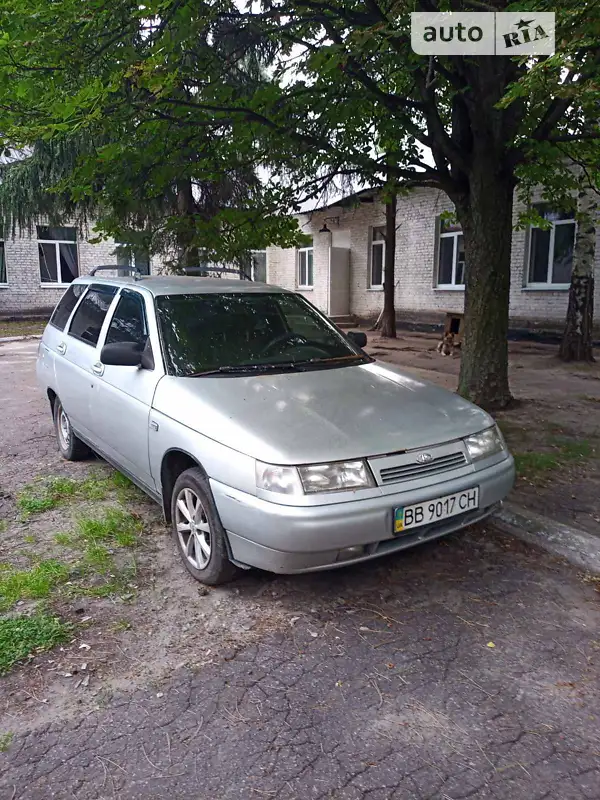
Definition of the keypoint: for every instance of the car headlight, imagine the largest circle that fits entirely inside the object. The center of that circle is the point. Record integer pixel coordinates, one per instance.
(485, 444)
(335, 477)
(314, 478)
(284, 480)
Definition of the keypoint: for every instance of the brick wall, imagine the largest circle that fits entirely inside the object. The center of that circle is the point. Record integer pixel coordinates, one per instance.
(416, 251)
(24, 293)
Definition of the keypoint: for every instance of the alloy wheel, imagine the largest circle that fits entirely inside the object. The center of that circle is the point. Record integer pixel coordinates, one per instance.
(193, 528)
(64, 429)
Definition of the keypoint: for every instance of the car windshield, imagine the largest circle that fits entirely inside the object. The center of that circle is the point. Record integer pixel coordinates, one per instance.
(248, 331)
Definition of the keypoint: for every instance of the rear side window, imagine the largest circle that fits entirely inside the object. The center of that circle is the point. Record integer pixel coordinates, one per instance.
(67, 303)
(87, 320)
(129, 321)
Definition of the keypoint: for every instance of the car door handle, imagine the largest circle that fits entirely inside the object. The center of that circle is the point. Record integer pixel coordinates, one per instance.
(98, 368)
(61, 348)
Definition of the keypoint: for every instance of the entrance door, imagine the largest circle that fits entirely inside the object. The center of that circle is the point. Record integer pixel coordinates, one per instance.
(339, 282)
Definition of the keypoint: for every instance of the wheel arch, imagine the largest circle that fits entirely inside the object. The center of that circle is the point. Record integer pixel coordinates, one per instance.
(52, 398)
(174, 462)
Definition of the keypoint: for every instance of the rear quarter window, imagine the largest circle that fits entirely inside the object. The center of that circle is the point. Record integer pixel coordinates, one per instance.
(62, 312)
(89, 317)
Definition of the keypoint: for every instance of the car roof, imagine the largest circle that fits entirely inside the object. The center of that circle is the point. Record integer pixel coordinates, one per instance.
(181, 284)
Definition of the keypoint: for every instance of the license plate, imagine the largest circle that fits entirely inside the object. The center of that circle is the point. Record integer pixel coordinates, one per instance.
(435, 510)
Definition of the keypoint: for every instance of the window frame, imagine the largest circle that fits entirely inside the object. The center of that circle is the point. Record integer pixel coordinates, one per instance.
(452, 287)
(379, 243)
(72, 285)
(124, 293)
(4, 283)
(547, 284)
(94, 287)
(301, 251)
(57, 242)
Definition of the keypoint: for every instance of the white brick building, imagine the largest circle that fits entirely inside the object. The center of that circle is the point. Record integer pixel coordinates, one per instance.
(36, 267)
(429, 261)
(341, 271)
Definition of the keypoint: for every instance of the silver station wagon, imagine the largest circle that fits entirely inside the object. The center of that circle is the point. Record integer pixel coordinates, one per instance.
(267, 435)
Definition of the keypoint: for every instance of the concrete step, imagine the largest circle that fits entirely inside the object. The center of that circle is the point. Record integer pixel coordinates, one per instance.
(344, 320)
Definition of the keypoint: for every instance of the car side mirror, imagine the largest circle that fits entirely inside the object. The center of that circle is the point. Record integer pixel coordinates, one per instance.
(358, 338)
(121, 354)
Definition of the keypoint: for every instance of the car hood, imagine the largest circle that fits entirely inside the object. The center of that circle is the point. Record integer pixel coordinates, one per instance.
(320, 415)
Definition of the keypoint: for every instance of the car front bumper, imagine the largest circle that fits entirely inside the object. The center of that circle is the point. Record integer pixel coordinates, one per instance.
(291, 539)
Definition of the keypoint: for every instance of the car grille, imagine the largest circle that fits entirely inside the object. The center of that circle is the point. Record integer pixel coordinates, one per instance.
(410, 471)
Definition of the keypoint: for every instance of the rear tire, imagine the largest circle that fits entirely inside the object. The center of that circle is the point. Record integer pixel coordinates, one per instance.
(197, 530)
(70, 446)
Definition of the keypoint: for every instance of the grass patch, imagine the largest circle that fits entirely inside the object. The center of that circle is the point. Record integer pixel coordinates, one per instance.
(48, 493)
(114, 527)
(21, 636)
(98, 538)
(3, 525)
(535, 464)
(22, 327)
(531, 465)
(30, 584)
(125, 489)
(5, 741)
(574, 449)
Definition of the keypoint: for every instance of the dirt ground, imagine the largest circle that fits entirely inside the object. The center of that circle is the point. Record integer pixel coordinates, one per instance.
(556, 417)
(463, 664)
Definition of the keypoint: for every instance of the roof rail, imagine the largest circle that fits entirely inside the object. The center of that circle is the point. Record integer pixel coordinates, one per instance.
(136, 273)
(205, 269)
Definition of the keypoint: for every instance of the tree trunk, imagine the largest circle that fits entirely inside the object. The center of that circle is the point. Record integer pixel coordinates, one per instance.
(577, 338)
(188, 255)
(387, 327)
(486, 218)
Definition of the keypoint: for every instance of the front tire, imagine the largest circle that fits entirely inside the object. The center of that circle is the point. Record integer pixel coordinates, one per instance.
(197, 530)
(70, 446)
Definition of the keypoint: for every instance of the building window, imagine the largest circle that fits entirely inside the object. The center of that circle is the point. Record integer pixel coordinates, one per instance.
(551, 249)
(3, 278)
(451, 260)
(127, 257)
(377, 258)
(305, 268)
(57, 249)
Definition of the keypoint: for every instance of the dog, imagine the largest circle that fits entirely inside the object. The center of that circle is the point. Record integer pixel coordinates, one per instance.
(446, 346)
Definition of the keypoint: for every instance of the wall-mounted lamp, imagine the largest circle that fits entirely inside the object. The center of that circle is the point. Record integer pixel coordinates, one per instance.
(333, 220)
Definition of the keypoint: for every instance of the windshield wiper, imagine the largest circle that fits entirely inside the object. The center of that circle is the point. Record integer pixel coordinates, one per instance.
(242, 369)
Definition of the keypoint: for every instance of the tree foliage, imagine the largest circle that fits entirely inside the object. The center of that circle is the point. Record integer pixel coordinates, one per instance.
(99, 144)
(170, 93)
